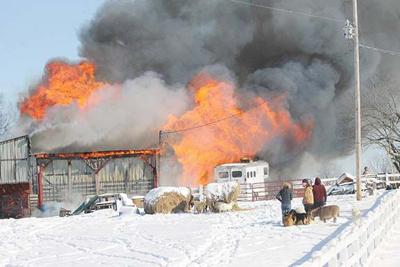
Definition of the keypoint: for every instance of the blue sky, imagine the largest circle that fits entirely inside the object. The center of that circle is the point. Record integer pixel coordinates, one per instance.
(33, 32)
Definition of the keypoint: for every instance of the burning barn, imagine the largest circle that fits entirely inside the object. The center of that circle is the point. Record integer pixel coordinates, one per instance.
(29, 179)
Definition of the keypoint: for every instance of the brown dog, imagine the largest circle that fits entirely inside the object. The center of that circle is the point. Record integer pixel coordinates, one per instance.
(326, 212)
(289, 218)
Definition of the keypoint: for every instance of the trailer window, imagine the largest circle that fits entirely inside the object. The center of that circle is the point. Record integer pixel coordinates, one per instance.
(223, 174)
(265, 170)
(248, 175)
(254, 173)
(236, 174)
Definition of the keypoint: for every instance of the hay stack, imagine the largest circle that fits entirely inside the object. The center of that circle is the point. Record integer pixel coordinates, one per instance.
(167, 200)
(221, 197)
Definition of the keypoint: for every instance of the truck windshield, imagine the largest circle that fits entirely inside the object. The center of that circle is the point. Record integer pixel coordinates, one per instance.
(236, 174)
(223, 174)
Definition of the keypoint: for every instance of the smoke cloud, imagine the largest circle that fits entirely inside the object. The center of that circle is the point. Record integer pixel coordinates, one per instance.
(267, 52)
(120, 117)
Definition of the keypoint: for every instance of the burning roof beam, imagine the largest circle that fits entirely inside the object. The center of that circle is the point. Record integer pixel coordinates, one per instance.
(97, 154)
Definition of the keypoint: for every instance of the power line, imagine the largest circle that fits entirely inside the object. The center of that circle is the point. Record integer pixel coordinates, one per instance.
(380, 50)
(213, 122)
(287, 11)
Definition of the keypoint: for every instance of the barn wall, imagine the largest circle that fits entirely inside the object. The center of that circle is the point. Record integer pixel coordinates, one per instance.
(14, 160)
(14, 200)
(129, 175)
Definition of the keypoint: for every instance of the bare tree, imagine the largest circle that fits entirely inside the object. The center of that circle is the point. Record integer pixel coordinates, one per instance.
(382, 117)
(380, 164)
(7, 117)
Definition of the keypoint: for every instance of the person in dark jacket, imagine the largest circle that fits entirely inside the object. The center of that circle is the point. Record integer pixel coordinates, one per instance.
(319, 193)
(285, 196)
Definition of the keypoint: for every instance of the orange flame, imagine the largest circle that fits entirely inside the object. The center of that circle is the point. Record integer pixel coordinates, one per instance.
(235, 134)
(63, 85)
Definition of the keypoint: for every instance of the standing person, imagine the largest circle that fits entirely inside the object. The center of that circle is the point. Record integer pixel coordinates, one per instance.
(319, 193)
(366, 171)
(308, 199)
(285, 196)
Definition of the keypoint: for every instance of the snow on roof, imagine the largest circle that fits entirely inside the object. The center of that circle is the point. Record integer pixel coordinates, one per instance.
(249, 164)
(344, 176)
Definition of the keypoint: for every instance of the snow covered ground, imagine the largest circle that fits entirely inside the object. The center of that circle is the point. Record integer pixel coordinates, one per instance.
(388, 254)
(253, 238)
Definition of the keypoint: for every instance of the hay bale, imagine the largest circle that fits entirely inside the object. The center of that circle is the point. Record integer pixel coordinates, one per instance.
(223, 207)
(223, 192)
(138, 201)
(167, 200)
(200, 206)
(222, 197)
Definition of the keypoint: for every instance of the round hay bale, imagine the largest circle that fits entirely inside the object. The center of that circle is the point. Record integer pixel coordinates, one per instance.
(167, 200)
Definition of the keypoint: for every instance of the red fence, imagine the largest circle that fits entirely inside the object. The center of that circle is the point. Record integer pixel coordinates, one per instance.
(268, 190)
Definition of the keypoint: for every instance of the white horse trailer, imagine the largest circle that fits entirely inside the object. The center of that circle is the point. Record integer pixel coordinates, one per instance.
(244, 173)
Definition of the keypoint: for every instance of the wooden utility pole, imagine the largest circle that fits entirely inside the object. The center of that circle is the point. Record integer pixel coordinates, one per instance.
(357, 99)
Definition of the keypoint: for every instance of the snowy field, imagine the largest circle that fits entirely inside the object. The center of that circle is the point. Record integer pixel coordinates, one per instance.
(253, 238)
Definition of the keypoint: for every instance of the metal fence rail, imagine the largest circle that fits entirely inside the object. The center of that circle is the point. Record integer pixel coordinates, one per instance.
(267, 190)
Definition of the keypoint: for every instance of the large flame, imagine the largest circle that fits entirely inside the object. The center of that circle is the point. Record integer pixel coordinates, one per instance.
(63, 85)
(230, 132)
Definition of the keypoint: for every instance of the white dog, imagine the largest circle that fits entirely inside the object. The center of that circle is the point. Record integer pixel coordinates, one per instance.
(356, 215)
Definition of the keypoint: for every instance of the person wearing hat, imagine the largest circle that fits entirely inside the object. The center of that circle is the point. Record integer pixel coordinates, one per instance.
(308, 199)
(285, 196)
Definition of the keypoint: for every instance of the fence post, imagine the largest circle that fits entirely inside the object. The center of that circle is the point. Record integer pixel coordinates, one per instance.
(252, 192)
(387, 179)
(69, 172)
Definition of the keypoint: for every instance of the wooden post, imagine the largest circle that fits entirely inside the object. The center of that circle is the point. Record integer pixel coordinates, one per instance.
(158, 159)
(69, 179)
(40, 186)
(357, 99)
(97, 181)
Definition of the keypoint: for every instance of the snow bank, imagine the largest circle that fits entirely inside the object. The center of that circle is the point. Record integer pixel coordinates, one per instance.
(167, 200)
